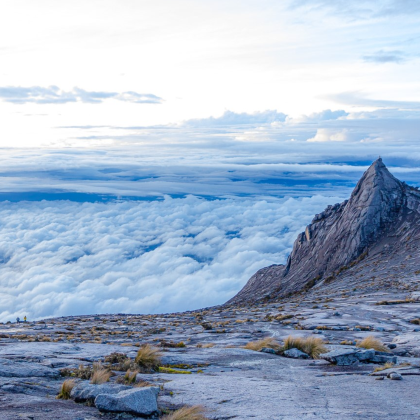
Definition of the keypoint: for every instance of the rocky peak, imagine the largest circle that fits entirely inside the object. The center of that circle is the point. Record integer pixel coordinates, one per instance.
(340, 235)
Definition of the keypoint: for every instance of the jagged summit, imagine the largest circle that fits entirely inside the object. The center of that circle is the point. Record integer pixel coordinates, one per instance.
(344, 234)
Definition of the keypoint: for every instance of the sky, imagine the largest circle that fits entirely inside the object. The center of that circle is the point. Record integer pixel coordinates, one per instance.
(111, 109)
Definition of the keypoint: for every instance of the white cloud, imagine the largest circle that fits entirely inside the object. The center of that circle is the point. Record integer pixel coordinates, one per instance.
(327, 134)
(70, 258)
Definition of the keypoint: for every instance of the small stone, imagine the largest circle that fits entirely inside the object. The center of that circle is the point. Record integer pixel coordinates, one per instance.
(395, 376)
(295, 354)
(392, 346)
(379, 378)
(268, 350)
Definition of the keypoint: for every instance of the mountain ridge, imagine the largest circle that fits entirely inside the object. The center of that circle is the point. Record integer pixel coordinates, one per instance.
(342, 236)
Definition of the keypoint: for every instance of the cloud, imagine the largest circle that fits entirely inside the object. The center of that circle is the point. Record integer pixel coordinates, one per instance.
(54, 95)
(358, 99)
(148, 257)
(233, 118)
(361, 9)
(382, 56)
(326, 135)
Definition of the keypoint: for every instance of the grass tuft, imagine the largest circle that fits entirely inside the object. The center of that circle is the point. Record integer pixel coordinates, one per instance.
(187, 413)
(371, 342)
(313, 346)
(387, 365)
(65, 389)
(268, 342)
(100, 376)
(148, 357)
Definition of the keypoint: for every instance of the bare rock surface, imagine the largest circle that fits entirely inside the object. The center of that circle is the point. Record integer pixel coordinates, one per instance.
(230, 381)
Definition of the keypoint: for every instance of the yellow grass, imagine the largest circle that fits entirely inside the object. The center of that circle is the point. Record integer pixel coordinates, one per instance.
(187, 413)
(208, 345)
(371, 342)
(148, 357)
(387, 365)
(65, 389)
(268, 342)
(100, 376)
(314, 346)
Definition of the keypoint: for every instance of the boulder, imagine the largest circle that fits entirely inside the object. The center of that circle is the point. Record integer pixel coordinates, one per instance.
(395, 376)
(295, 354)
(348, 356)
(139, 401)
(86, 392)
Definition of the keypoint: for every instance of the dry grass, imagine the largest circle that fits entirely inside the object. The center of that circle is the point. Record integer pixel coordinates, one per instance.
(268, 342)
(129, 378)
(148, 357)
(387, 365)
(371, 342)
(100, 376)
(314, 346)
(187, 413)
(207, 345)
(65, 389)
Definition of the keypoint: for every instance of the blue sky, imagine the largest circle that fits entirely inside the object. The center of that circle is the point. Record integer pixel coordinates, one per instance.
(222, 106)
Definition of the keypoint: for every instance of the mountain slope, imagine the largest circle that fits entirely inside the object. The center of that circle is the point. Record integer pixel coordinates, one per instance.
(380, 215)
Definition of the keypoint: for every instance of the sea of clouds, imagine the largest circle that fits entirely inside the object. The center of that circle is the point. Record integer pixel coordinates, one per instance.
(65, 258)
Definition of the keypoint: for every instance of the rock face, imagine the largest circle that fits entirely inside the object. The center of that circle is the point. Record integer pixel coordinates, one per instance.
(381, 217)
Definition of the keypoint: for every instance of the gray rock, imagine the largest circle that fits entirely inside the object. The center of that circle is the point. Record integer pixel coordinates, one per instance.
(295, 354)
(395, 376)
(86, 392)
(16, 369)
(348, 356)
(268, 350)
(140, 401)
(384, 359)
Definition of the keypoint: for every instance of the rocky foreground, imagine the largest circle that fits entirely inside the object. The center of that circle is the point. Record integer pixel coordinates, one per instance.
(204, 362)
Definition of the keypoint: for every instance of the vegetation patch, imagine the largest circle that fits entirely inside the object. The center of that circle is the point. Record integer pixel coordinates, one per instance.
(313, 346)
(163, 369)
(65, 389)
(148, 357)
(372, 342)
(268, 342)
(196, 412)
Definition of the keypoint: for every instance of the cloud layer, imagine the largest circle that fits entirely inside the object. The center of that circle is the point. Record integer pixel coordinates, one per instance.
(148, 257)
(55, 95)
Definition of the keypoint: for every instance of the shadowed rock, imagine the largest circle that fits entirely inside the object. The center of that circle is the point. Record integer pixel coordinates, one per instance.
(381, 212)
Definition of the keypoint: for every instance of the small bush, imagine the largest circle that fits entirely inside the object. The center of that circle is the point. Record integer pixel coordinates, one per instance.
(313, 346)
(148, 357)
(65, 389)
(187, 413)
(415, 321)
(268, 342)
(371, 342)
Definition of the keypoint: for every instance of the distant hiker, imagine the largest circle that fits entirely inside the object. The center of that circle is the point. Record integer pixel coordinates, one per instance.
(18, 320)
(24, 318)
